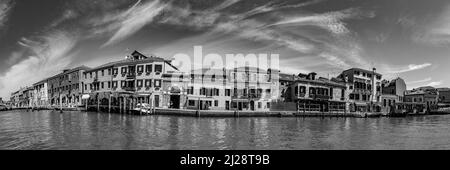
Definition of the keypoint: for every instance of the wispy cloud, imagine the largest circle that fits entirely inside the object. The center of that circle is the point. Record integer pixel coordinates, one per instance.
(331, 21)
(270, 30)
(50, 54)
(419, 81)
(403, 69)
(435, 83)
(125, 23)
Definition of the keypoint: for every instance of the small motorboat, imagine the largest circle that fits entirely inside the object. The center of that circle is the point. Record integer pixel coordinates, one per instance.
(143, 108)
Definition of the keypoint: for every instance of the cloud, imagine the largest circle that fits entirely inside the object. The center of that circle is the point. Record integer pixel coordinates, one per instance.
(331, 21)
(50, 54)
(420, 81)
(437, 32)
(125, 23)
(269, 31)
(403, 69)
(435, 83)
(5, 8)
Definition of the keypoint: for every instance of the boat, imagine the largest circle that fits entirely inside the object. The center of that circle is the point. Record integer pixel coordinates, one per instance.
(3, 107)
(142, 108)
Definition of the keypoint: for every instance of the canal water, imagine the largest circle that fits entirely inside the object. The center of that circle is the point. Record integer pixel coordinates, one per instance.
(81, 130)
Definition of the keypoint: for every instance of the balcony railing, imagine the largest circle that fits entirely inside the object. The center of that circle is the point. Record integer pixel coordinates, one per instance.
(129, 89)
(131, 76)
(319, 97)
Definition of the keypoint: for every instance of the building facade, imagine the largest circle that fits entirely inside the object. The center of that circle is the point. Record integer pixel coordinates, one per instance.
(319, 94)
(40, 92)
(64, 89)
(137, 79)
(364, 89)
(444, 95)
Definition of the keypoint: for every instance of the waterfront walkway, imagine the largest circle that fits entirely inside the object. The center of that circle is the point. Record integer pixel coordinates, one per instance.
(216, 113)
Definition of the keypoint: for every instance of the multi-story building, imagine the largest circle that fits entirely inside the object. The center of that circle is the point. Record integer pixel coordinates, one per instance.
(425, 95)
(244, 88)
(364, 89)
(65, 89)
(252, 88)
(22, 97)
(40, 92)
(318, 94)
(396, 87)
(136, 79)
(444, 95)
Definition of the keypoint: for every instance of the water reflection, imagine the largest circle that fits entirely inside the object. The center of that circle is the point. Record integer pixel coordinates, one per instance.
(80, 130)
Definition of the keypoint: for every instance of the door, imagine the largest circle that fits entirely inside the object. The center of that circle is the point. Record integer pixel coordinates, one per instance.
(252, 105)
(156, 100)
(175, 101)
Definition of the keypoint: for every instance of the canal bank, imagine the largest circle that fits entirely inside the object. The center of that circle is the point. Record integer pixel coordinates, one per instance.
(224, 114)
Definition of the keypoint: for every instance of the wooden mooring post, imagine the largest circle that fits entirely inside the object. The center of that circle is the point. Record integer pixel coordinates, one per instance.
(109, 103)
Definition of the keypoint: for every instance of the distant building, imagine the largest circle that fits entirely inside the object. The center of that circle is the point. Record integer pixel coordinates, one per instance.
(41, 94)
(423, 95)
(444, 95)
(364, 89)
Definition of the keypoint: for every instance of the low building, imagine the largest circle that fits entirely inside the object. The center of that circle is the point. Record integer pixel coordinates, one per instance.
(444, 95)
(423, 95)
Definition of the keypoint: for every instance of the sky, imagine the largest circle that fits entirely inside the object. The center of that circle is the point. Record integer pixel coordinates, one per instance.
(401, 38)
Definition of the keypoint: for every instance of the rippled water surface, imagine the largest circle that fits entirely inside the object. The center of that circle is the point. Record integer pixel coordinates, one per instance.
(80, 130)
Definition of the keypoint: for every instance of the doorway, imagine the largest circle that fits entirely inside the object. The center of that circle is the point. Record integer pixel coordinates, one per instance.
(174, 102)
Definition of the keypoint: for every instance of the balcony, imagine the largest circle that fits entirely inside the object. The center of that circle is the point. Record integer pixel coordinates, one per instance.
(319, 97)
(131, 76)
(130, 89)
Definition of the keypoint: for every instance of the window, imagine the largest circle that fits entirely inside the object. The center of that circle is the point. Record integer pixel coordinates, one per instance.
(114, 84)
(109, 84)
(139, 83)
(103, 72)
(90, 75)
(157, 83)
(191, 103)
(216, 92)
(140, 69)
(124, 70)
(268, 105)
(109, 71)
(351, 87)
(116, 71)
(216, 103)
(103, 85)
(227, 92)
(158, 68)
(85, 76)
(190, 90)
(123, 83)
(148, 68)
(259, 105)
(148, 83)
